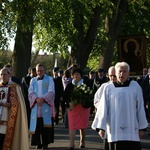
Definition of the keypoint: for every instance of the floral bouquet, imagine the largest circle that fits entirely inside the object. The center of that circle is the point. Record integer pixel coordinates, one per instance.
(82, 94)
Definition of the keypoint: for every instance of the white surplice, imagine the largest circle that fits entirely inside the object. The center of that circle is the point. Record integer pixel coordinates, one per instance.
(121, 112)
(99, 93)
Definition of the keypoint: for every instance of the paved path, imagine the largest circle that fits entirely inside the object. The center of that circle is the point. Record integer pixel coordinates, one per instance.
(93, 142)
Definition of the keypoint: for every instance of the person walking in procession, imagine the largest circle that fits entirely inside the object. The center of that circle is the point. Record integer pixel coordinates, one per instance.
(121, 112)
(41, 97)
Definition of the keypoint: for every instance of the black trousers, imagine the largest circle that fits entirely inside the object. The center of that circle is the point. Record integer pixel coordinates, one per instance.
(2, 137)
(63, 107)
(106, 144)
(125, 145)
(57, 104)
(43, 135)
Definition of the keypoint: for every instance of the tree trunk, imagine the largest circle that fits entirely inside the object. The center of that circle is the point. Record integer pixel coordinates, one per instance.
(35, 57)
(23, 41)
(22, 53)
(85, 42)
(112, 26)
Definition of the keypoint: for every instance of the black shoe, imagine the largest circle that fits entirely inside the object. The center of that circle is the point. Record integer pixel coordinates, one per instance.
(45, 147)
(71, 148)
(81, 146)
(56, 122)
(39, 147)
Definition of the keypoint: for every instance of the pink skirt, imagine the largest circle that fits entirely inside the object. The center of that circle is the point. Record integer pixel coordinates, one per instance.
(78, 117)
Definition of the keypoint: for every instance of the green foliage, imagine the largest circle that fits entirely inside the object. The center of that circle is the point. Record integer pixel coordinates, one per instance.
(5, 57)
(5, 25)
(136, 22)
(93, 61)
(58, 19)
(55, 23)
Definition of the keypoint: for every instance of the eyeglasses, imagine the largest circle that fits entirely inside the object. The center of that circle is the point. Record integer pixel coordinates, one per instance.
(113, 76)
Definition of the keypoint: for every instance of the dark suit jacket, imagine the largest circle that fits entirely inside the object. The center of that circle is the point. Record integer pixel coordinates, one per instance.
(98, 82)
(144, 82)
(18, 81)
(66, 95)
(58, 88)
(25, 84)
(68, 90)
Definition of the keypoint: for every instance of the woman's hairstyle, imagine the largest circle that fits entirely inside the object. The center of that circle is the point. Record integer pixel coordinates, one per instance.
(78, 70)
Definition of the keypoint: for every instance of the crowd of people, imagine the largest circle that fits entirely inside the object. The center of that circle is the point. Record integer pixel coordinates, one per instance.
(120, 106)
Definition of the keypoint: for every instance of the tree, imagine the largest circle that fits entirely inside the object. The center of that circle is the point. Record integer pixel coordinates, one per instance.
(5, 57)
(83, 46)
(136, 22)
(112, 26)
(90, 28)
(76, 25)
(6, 31)
(123, 18)
(23, 40)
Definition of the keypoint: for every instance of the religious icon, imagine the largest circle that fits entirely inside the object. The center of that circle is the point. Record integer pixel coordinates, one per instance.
(3, 94)
(132, 49)
(4, 109)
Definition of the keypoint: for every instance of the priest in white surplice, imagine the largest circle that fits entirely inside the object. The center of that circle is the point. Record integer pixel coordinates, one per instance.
(121, 112)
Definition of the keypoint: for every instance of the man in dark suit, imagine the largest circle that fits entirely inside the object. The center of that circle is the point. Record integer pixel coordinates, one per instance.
(58, 93)
(25, 83)
(99, 80)
(144, 82)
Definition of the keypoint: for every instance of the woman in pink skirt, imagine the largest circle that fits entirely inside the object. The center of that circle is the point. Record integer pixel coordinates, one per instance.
(78, 116)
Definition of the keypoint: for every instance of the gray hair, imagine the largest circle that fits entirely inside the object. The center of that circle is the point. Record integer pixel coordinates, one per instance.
(122, 64)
